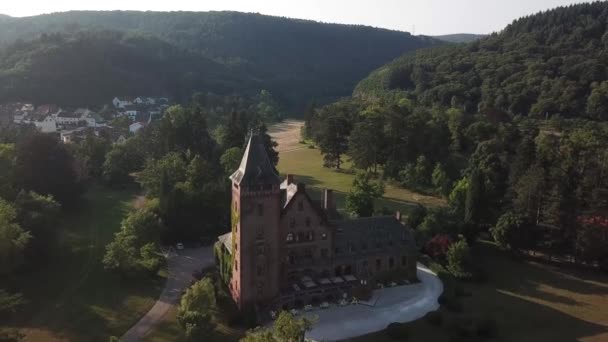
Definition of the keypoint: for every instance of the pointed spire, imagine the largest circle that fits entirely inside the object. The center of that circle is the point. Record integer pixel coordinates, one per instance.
(255, 168)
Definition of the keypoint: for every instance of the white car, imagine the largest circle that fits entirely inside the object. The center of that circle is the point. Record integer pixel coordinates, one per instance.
(179, 246)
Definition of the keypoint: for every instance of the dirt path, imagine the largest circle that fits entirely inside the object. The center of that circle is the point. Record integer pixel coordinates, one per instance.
(287, 135)
(181, 267)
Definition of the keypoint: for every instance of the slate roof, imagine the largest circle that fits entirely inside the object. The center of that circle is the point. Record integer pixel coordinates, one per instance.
(255, 169)
(369, 235)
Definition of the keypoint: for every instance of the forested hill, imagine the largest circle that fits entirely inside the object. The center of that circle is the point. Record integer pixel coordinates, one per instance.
(297, 60)
(460, 37)
(554, 62)
(93, 67)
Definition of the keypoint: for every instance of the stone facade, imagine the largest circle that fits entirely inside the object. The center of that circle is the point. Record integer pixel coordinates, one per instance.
(288, 247)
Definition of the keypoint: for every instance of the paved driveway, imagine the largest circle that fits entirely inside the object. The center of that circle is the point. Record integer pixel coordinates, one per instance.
(181, 265)
(397, 304)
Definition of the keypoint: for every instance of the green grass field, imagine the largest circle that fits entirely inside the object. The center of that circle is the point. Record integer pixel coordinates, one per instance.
(73, 297)
(307, 166)
(530, 302)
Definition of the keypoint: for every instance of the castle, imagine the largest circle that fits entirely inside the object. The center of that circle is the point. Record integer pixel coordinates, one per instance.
(288, 249)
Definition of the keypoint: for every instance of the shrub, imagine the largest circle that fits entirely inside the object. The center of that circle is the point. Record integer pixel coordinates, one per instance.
(459, 257)
(438, 246)
(434, 318)
(397, 331)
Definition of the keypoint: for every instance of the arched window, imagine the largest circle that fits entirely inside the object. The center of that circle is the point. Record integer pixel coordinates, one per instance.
(289, 237)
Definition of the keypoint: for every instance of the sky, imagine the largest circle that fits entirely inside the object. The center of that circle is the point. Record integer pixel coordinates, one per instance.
(429, 17)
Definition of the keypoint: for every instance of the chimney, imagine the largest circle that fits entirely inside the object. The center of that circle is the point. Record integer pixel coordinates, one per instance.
(398, 215)
(328, 200)
(289, 179)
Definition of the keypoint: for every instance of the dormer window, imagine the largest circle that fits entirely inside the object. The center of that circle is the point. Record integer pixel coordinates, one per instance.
(292, 222)
(289, 237)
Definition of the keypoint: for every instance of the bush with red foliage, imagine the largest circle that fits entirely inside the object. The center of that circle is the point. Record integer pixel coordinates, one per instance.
(438, 246)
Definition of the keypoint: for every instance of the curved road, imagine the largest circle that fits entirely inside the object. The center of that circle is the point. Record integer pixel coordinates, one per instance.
(397, 304)
(181, 266)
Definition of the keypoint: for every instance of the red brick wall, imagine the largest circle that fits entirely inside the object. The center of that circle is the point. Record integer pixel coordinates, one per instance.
(256, 248)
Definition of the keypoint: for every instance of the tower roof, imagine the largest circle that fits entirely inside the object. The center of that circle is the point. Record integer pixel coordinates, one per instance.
(255, 168)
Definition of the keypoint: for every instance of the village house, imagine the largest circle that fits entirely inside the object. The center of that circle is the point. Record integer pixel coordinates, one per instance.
(287, 249)
(135, 127)
(121, 103)
(45, 124)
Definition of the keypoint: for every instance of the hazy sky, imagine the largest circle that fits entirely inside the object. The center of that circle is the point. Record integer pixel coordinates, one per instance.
(430, 17)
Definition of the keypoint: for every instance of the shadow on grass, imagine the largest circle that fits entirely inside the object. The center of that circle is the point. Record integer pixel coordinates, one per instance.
(537, 276)
(516, 295)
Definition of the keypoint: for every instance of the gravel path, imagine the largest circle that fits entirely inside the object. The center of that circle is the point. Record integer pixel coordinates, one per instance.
(181, 266)
(397, 304)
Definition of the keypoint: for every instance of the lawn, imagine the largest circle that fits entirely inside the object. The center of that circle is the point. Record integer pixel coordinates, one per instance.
(73, 297)
(307, 166)
(530, 302)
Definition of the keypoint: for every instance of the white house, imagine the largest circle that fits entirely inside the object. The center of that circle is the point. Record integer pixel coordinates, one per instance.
(46, 124)
(132, 114)
(19, 117)
(67, 118)
(121, 140)
(121, 103)
(91, 118)
(135, 127)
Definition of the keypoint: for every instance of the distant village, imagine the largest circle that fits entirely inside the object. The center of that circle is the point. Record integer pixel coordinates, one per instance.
(73, 125)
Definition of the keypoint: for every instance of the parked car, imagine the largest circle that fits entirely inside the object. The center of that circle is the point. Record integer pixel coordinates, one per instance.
(179, 246)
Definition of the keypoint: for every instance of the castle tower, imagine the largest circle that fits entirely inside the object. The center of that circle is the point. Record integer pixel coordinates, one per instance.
(256, 211)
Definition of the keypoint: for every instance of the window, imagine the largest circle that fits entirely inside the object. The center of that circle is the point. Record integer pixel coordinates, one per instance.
(260, 209)
(364, 246)
(324, 253)
(292, 222)
(404, 261)
(300, 206)
(307, 253)
(310, 236)
(308, 222)
(236, 265)
(289, 237)
(378, 264)
(236, 247)
(391, 262)
(337, 250)
(259, 249)
(260, 271)
(324, 236)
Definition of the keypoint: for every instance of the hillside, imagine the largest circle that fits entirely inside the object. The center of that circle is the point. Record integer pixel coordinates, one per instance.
(555, 62)
(460, 37)
(297, 60)
(91, 68)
